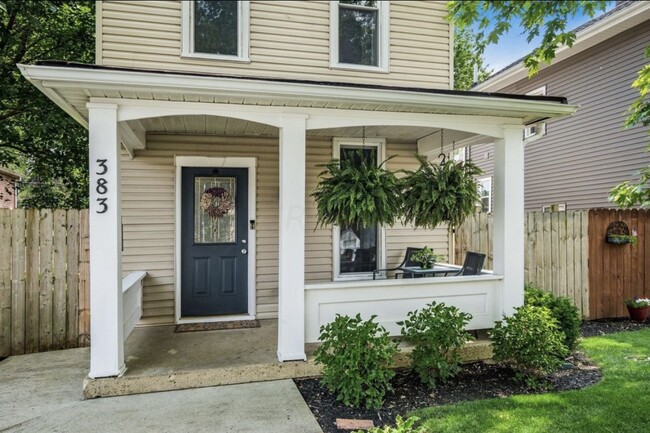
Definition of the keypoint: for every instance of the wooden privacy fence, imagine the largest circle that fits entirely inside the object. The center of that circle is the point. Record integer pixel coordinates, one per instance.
(556, 251)
(44, 290)
(617, 272)
(567, 254)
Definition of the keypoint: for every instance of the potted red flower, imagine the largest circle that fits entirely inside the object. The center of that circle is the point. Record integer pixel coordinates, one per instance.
(639, 308)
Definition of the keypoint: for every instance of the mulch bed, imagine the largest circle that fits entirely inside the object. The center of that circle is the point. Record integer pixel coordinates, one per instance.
(475, 381)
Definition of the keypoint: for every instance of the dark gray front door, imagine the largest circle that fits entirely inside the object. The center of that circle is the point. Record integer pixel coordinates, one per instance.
(214, 241)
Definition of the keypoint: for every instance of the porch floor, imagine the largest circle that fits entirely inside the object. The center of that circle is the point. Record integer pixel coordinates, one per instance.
(158, 359)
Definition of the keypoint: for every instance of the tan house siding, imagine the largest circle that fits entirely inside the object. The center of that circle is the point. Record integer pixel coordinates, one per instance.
(583, 156)
(287, 40)
(148, 206)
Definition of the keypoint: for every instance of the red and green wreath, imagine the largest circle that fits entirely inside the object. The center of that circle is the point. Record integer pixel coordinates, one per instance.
(216, 202)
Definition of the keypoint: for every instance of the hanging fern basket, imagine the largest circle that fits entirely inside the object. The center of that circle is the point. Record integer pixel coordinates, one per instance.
(357, 193)
(435, 194)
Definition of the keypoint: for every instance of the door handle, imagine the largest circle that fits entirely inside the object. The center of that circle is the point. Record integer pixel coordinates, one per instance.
(244, 251)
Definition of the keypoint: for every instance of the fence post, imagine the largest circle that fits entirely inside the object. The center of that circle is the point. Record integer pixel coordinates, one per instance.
(5, 282)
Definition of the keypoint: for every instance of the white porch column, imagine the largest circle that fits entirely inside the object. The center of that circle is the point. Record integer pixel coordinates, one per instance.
(291, 308)
(508, 239)
(106, 334)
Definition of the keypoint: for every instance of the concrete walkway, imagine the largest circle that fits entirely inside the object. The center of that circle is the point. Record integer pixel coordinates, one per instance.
(43, 393)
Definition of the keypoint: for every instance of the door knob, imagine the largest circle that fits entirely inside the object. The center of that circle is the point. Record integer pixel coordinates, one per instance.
(244, 251)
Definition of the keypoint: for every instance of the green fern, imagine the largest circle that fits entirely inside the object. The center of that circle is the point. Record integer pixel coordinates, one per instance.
(353, 194)
(435, 193)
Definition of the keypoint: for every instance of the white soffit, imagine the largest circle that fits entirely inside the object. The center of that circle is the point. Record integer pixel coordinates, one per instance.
(71, 87)
(630, 16)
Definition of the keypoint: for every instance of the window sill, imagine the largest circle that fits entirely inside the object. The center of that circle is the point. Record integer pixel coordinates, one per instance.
(354, 277)
(208, 56)
(360, 68)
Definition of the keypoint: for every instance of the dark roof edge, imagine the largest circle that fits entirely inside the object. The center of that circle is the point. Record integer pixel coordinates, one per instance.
(65, 64)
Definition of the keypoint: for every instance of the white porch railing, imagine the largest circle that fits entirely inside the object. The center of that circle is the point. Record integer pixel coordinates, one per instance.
(131, 301)
(391, 299)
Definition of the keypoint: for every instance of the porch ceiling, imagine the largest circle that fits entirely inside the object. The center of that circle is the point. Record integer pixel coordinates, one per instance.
(218, 125)
(72, 86)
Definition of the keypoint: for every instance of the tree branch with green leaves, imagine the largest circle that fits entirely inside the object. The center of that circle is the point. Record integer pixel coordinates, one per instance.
(549, 19)
(37, 138)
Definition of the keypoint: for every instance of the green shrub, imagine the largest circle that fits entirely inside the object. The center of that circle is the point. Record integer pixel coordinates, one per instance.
(401, 426)
(566, 314)
(356, 356)
(531, 342)
(437, 332)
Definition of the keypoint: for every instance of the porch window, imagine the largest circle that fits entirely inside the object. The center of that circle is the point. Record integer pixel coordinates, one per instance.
(359, 34)
(358, 250)
(485, 191)
(216, 29)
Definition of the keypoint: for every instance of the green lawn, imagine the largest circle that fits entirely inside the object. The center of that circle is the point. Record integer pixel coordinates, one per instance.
(619, 403)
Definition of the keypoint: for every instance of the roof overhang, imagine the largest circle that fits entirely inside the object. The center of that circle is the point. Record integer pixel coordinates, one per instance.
(72, 86)
(619, 21)
(9, 173)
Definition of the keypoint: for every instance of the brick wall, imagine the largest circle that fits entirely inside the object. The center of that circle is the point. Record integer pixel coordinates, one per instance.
(7, 192)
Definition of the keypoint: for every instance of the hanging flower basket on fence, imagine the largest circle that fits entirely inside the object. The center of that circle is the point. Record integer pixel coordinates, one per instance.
(619, 234)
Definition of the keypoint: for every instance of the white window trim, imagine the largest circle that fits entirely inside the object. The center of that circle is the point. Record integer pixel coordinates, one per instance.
(540, 127)
(231, 162)
(383, 23)
(380, 144)
(489, 180)
(243, 37)
(561, 207)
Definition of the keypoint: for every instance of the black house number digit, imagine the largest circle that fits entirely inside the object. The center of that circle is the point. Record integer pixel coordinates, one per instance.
(101, 187)
(102, 202)
(102, 164)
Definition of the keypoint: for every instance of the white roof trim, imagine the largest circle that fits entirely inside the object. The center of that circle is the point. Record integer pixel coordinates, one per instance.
(628, 17)
(51, 78)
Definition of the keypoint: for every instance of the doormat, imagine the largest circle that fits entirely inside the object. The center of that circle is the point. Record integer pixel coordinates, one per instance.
(215, 326)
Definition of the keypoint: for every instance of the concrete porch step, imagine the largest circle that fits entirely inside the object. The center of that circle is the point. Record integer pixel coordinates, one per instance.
(156, 381)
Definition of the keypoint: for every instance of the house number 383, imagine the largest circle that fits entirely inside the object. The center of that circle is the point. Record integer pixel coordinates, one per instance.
(101, 187)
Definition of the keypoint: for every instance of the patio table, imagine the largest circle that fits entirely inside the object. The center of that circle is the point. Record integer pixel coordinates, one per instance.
(438, 269)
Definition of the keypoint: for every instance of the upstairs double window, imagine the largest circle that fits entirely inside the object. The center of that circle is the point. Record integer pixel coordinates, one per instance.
(359, 34)
(216, 29)
(219, 29)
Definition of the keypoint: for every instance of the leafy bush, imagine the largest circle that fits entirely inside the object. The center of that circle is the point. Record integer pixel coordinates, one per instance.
(438, 331)
(356, 356)
(401, 426)
(531, 342)
(566, 314)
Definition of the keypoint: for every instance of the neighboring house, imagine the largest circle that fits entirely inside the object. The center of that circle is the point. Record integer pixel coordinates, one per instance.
(238, 102)
(8, 189)
(573, 163)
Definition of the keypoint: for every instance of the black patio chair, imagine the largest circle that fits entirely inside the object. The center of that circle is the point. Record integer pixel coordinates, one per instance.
(406, 262)
(472, 266)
